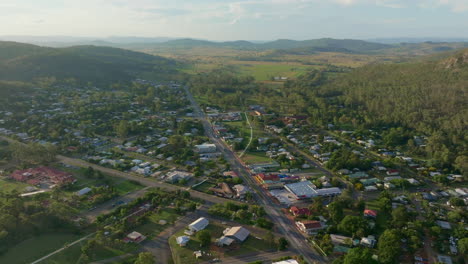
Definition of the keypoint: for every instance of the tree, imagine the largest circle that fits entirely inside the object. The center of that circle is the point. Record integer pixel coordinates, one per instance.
(455, 201)
(145, 258)
(463, 245)
(335, 209)
(204, 237)
(389, 246)
(400, 217)
(282, 243)
(352, 225)
(358, 256)
(122, 129)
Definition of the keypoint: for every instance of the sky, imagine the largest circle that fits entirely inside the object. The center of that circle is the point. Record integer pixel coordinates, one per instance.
(236, 19)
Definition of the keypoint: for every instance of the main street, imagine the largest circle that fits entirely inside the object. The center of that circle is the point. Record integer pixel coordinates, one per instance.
(297, 241)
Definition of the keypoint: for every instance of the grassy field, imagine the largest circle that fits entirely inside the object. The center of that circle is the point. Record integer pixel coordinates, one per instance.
(204, 187)
(37, 247)
(255, 157)
(265, 71)
(126, 186)
(152, 227)
(9, 185)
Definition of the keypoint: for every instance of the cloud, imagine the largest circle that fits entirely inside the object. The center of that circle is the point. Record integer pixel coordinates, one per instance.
(457, 6)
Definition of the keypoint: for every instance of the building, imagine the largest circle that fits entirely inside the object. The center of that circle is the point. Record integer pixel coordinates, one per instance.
(341, 240)
(241, 190)
(43, 175)
(299, 211)
(370, 213)
(200, 224)
(224, 241)
(369, 241)
(175, 176)
(205, 148)
(238, 233)
(134, 237)
(83, 191)
(310, 227)
(223, 189)
(182, 240)
(305, 190)
(288, 261)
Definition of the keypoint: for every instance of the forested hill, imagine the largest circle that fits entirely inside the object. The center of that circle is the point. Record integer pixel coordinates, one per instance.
(426, 98)
(24, 62)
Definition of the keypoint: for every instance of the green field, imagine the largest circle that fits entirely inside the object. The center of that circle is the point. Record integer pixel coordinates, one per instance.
(255, 157)
(264, 71)
(9, 185)
(204, 187)
(37, 247)
(127, 186)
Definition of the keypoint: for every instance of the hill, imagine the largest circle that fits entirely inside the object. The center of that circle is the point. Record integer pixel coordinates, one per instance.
(24, 62)
(417, 98)
(345, 45)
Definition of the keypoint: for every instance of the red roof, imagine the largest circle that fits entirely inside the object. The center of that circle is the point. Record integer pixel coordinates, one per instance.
(35, 176)
(299, 211)
(269, 177)
(369, 212)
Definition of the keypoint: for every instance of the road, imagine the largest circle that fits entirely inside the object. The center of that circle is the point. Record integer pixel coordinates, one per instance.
(142, 180)
(266, 257)
(284, 225)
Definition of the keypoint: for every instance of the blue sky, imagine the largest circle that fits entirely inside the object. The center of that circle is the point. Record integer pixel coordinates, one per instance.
(236, 19)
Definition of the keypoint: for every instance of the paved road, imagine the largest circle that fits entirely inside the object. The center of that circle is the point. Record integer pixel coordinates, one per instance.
(284, 225)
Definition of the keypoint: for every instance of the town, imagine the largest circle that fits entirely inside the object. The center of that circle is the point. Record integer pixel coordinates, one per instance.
(152, 170)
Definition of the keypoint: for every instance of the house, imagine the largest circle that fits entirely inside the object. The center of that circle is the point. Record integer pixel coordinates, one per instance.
(241, 190)
(83, 191)
(237, 233)
(444, 224)
(370, 213)
(224, 241)
(182, 240)
(369, 241)
(200, 224)
(310, 227)
(299, 211)
(205, 148)
(340, 240)
(47, 175)
(175, 176)
(223, 189)
(134, 237)
(392, 172)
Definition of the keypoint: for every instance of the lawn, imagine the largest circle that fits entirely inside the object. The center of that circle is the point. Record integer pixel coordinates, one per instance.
(255, 157)
(152, 227)
(127, 186)
(37, 247)
(204, 187)
(9, 185)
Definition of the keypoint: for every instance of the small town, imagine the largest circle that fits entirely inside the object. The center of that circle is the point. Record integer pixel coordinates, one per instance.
(152, 171)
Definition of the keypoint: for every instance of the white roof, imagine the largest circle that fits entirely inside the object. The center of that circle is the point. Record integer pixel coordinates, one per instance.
(83, 191)
(134, 235)
(199, 224)
(182, 239)
(289, 261)
(238, 232)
